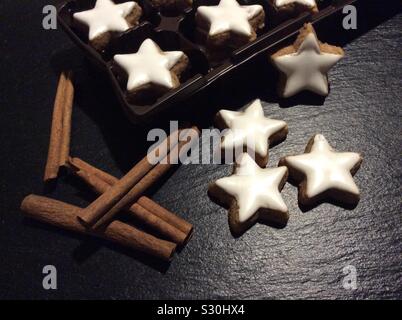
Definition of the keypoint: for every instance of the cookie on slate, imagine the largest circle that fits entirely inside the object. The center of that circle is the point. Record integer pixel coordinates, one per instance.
(250, 131)
(150, 72)
(323, 174)
(106, 20)
(305, 64)
(251, 193)
(171, 6)
(229, 24)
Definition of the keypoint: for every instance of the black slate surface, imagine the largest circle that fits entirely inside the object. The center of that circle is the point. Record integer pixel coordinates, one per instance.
(303, 260)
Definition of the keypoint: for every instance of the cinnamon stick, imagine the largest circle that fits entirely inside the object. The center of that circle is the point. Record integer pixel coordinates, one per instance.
(143, 201)
(67, 113)
(108, 199)
(64, 215)
(80, 164)
(138, 211)
(166, 215)
(52, 164)
(151, 177)
(60, 129)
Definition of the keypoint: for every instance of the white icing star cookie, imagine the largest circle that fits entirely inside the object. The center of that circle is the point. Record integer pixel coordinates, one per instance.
(150, 65)
(304, 66)
(294, 6)
(230, 16)
(321, 172)
(251, 193)
(250, 129)
(106, 16)
(284, 3)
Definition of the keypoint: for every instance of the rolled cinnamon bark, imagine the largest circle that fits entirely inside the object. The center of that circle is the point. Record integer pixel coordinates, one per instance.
(143, 201)
(82, 165)
(64, 215)
(67, 113)
(53, 156)
(141, 213)
(59, 144)
(113, 195)
(166, 215)
(150, 178)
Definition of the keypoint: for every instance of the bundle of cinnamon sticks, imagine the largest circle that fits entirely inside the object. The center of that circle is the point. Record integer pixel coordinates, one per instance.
(115, 195)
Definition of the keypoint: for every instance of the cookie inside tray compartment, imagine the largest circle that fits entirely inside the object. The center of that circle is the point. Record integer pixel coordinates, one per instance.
(175, 29)
(167, 41)
(191, 27)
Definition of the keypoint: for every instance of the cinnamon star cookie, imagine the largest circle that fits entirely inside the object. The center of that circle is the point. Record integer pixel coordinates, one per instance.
(151, 71)
(229, 23)
(323, 173)
(251, 193)
(294, 6)
(106, 19)
(305, 64)
(250, 130)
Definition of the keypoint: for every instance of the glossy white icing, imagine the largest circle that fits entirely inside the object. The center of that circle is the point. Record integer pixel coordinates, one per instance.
(149, 65)
(326, 169)
(307, 3)
(307, 68)
(106, 16)
(249, 128)
(254, 188)
(229, 15)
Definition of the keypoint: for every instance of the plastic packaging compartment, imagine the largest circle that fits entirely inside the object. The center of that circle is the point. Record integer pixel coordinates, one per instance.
(177, 33)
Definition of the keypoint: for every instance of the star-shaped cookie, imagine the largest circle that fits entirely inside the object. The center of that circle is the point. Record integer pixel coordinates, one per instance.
(150, 65)
(305, 64)
(229, 15)
(106, 16)
(250, 131)
(251, 193)
(295, 6)
(323, 173)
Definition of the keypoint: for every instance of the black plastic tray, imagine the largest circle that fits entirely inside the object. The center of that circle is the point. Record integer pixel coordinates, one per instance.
(176, 33)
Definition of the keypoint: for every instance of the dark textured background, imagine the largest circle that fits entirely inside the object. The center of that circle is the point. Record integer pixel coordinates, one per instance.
(303, 260)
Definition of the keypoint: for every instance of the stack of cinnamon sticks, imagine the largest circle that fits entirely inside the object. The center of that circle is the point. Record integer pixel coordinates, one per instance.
(115, 195)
